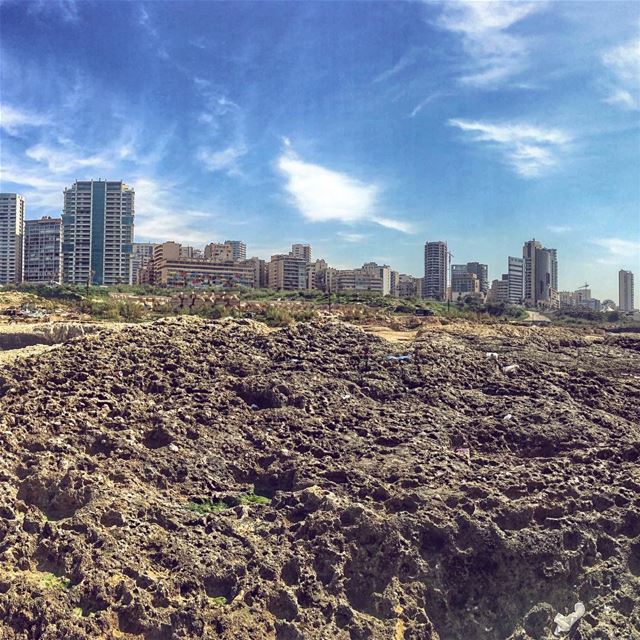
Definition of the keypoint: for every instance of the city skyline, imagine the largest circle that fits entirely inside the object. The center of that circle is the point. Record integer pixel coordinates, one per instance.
(364, 130)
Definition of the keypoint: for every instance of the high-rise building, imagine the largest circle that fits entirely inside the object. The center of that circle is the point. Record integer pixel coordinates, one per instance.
(98, 232)
(238, 249)
(313, 268)
(554, 268)
(43, 250)
(436, 267)
(218, 252)
(482, 272)
(301, 251)
(540, 272)
(12, 212)
(395, 282)
(286, 272)
(408, 286)
(191, 253)
(625, 290)
(384, 271)
(464, 283)
(142, 257)
(515, 279)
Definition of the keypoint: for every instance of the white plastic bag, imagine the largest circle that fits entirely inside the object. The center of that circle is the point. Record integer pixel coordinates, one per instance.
(564, 623)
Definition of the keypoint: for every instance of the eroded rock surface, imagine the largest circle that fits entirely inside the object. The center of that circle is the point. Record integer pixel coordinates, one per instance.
(436, 497)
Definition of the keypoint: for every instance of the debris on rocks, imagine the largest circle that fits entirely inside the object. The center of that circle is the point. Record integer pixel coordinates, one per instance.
(564, 623)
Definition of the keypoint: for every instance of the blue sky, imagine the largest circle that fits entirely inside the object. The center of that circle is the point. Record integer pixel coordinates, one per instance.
(362, 128)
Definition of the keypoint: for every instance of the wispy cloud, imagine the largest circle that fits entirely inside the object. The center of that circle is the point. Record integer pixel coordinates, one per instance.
(60, 160)
(620, 251)
(406, 60)
(529, 150)
(225, 160)
(156, 219)
(430, 98)
(13, 120)
(351, 237)
(324, 195)
(66, 9)
(560, 228)
(623, 63)
(391, 223)
(494, 54)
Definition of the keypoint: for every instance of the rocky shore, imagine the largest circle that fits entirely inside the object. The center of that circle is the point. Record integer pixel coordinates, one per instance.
(217, 479)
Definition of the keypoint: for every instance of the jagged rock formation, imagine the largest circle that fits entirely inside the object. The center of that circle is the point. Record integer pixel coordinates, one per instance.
(433, 497)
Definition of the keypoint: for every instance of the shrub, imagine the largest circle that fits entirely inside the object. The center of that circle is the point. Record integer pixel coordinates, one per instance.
(206, 506)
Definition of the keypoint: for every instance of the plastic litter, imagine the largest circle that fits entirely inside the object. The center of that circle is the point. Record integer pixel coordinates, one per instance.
(491, 355)
(508, 417)
(255, 407)
(510, 368)
(564, 623)
(405, 357)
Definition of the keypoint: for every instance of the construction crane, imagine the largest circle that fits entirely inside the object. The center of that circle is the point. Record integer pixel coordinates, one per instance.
(584, 286)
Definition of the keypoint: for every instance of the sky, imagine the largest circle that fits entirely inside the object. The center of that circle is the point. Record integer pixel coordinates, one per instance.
(362, 128)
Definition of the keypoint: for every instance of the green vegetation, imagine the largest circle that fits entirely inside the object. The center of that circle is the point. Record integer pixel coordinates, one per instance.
(218, 600)
(207, 506)
(275, 308)
(252, 498)
(584, 316)
(51, 581)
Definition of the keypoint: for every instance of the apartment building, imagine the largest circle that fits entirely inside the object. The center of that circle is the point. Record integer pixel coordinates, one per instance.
(219, 252)
(98, 232)
(172, 269)
(141, 259)
(480, 270)
(313, 268)
(12, 212)
(383, 271)
(540, 274)
(301, 251)
(515, 277)
(43, 250)
(238, 250)
(436, 267)
(285, 272)
(625, 290)
(359, 280)
(464, 283)
(408, 286)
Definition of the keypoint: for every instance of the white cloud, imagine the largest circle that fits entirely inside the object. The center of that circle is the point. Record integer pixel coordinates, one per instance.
(559, 228)
(157, 219)
(495, 55)
(323, 195)
(12, 120)
(623, 63)
(391, 223)
(418, 108)
(530, 151)
(405, 61)
(619, 250)
(351, 237)
(61, 161)
(225, 160)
